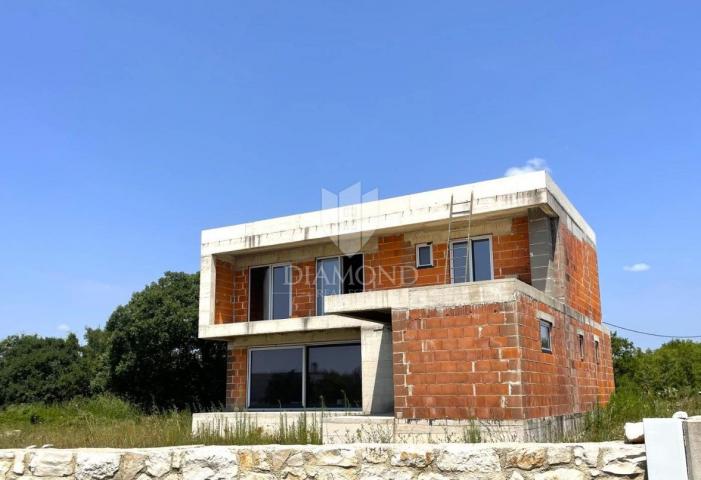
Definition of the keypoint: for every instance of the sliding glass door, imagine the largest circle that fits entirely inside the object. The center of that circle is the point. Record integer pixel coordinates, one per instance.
(333, 376)
(313, 376)
(275, 378)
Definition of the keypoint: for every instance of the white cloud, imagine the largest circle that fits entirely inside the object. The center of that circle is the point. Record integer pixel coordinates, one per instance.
(64, 328)
(532, 165)
(637, 267)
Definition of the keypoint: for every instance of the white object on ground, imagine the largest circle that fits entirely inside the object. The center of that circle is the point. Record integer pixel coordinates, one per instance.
(664, 447)
(634, 432)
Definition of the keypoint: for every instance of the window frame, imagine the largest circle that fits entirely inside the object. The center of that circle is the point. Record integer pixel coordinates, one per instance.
(550, 325)
(430, 250)
(581, 340)
(340, 264)
(270, 300)
(303, 347)
(470, 266)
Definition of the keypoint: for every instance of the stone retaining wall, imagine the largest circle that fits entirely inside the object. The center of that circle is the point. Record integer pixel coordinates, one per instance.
(357, 461)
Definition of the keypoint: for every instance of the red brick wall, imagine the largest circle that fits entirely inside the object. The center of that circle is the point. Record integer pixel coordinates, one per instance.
(241, 295)
(486, 362)
(511, 257)
(457, 363)
(223, 294)
(236, 366)
(581, 274)
(512, 252)
(304, 289)
(384, 268)
(560, 383)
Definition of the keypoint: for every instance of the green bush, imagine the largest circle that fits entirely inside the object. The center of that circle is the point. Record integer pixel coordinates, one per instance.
(154, 357)
(35, 369)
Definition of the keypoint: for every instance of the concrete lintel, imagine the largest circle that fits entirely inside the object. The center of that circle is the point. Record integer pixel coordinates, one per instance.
(268, 327)
(492, 196)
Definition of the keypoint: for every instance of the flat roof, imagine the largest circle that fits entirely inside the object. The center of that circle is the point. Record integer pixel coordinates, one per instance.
(491, 198)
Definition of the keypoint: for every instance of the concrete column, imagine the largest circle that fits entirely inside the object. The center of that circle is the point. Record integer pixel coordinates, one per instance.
(542, 237)
(376, 360)
(207, 283)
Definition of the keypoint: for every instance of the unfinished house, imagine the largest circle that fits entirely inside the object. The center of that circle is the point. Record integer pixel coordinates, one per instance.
(476, 302)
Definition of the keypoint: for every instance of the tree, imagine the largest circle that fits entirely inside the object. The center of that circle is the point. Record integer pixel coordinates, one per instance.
(37, 369)
(625, 359)
(97, 342)
(674, 367)
(154, 357)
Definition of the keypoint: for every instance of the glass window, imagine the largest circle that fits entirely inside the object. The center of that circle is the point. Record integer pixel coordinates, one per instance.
(270, 293)
(459, 259)
(481, 260)
(328, 280)
(275, 379)
(474, 264)
(281, 292)
(545, 336)
(338, 275)
(333, 376)
(424, 255)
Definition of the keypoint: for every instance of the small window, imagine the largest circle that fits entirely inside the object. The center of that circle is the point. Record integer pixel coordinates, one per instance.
(581, 346)
(424, 255)
(546, 336)
(596, 350)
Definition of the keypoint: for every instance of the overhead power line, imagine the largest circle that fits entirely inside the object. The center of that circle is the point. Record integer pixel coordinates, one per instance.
(652, 334)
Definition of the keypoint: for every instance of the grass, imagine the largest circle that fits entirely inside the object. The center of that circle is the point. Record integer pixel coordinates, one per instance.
(110, 422)
(107, 421)
(632, 405)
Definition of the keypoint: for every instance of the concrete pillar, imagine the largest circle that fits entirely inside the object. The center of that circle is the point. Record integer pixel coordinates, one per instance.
(376, 361)
(542, 237)
(207, 283)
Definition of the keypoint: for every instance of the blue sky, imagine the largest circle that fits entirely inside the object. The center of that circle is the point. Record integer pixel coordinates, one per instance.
(127, 127)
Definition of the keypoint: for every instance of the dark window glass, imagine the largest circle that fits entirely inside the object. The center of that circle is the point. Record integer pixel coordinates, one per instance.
(424, 254)
(338, 275)
(545, 337)
(353, 273)
(276, 378)
(281, 292)
(270, 293)
(333, 373)
(459, 259)
(258, 299)
(481, 260)
(328, 280)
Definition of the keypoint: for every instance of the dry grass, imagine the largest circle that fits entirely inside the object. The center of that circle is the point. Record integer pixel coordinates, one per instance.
(110, 422)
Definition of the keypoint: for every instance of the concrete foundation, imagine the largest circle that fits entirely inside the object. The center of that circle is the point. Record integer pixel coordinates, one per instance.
(347, 427)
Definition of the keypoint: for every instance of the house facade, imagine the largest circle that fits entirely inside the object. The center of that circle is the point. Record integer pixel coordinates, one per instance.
(474, 302)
